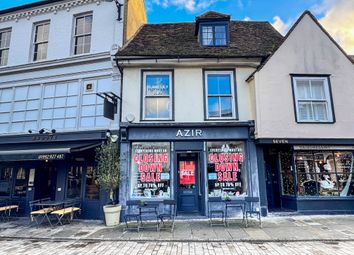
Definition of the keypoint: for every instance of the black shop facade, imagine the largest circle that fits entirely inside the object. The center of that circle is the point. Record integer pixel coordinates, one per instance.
(58, 166)
(188, 163)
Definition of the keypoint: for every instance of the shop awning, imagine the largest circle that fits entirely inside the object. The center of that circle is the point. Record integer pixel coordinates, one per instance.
(42, 151)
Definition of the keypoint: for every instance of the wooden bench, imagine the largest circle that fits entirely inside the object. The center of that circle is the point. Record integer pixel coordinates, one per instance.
(71, 208)
(7, 208)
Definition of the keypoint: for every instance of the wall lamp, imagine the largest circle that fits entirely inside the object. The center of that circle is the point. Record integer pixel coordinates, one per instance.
(119, 8)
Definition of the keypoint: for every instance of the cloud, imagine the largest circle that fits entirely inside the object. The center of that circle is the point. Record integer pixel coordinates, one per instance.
(280, 25)
(189, 5)
(338, 20)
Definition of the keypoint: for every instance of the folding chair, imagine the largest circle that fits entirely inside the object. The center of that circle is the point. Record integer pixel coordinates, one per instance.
(250, 210)
(167, 217)
(71, 207)
(216, 207)
(132, 214)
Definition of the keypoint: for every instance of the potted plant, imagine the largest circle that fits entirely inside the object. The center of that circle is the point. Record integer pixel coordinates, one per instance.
(108, 176)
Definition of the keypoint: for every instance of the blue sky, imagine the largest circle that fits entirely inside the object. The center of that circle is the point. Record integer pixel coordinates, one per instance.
(337, 16)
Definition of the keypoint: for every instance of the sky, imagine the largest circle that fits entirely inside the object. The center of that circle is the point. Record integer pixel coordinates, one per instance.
(337, 16)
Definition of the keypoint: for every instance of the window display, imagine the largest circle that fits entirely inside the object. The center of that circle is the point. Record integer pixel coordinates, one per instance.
(226, 169)
(21, 182)
(324, 173)
(5, 181)
(286, 171)
(150, 169)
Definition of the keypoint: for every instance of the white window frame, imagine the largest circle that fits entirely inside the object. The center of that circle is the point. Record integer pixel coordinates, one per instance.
(34, 43)
(146, 73)
(233, 94)
(76, 17)
(6, 30)
(327, 100)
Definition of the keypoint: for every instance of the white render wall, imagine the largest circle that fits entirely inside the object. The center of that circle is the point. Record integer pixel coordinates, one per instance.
(306, 51)
(188, 93)
(61, 66)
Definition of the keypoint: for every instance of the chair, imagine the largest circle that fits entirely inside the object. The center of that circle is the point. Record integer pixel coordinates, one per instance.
(215, 210)
(36, 212)
(132, 213)
(250, 210)
(167, 217)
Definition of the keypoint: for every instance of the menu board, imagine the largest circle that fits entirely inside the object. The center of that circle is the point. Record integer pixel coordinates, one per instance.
(226, 161)
(150, 170)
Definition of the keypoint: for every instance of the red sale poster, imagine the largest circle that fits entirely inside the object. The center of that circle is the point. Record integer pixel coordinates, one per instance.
(187, 172)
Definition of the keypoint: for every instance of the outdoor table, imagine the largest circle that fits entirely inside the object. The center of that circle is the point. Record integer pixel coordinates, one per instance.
(49, 204)
(149, 209)
(229, 204)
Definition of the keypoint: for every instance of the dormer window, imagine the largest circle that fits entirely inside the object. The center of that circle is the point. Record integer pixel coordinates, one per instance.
(213, 35)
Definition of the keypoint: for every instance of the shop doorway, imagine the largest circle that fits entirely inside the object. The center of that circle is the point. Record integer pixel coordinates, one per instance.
(272, 180)
(188, 183)
(45, 181)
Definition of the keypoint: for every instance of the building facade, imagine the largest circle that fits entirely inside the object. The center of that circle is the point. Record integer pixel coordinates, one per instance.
(55, 58)
(187, 129)
(303, 95)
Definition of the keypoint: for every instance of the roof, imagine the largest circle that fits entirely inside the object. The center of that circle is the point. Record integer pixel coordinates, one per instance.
(351, 58)
(247, 39)
(213, 15)
(28, 6)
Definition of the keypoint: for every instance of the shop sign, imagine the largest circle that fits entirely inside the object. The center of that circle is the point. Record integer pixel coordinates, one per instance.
(280, 141)
(322, 147)
(189, 133)
(51, 157)
(44, 138)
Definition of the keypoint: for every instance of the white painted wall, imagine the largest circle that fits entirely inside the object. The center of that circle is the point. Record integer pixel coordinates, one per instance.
(188, 95)
(61, 66)
(306, 51)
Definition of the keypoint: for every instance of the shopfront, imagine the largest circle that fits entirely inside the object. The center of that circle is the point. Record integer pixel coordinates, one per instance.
(188, 163)
(311, 178)
(55, 166)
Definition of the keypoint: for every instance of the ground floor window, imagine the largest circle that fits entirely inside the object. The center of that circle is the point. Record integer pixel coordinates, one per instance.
(20, 182)
(92, 188)
(151, 170)
(324, 173)
(226, 169)
(5, 181)
(286, 172)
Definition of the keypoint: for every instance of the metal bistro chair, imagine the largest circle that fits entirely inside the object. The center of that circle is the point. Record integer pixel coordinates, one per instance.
(68, 213)
(216, 207)
(132, 214)
(167, 217)
(250, 209)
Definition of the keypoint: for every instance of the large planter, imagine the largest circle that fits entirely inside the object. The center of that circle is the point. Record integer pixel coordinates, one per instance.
(112, 214)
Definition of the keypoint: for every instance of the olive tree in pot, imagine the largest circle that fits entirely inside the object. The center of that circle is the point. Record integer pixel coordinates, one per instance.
(108, 177)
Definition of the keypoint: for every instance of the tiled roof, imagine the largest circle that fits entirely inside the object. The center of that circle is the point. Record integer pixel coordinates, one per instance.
(247, 39)
(213, 15)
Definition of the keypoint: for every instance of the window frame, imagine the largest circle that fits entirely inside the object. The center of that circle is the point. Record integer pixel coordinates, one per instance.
(144, 74)
(328, 94)
(34, 43)
(6, 30)
(213, 25)
(75, 36)
(234, 93)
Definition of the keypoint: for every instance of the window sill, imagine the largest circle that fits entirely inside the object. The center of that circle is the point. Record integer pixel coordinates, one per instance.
(315, 122)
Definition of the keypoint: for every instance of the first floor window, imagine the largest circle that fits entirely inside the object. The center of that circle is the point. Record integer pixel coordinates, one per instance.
(83, 33)
(157, 95)
(151, 170)
(220, 95)
(312, 99)
(5, 37)
(226, 169)
(40, 43)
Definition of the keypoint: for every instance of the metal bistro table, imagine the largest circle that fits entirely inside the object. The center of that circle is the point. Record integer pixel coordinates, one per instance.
(149, 209)
(237, 204)
(52, 205)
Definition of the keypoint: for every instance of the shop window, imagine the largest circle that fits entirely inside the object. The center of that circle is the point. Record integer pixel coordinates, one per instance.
(312, 99)
(5, 37)
(286, 172)
(151, 170)
(227, 175)
(5, 181)
(92, 189)
(157, 95)
(220, 95)
(324, 173)
(74, 182)
(20, 182)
